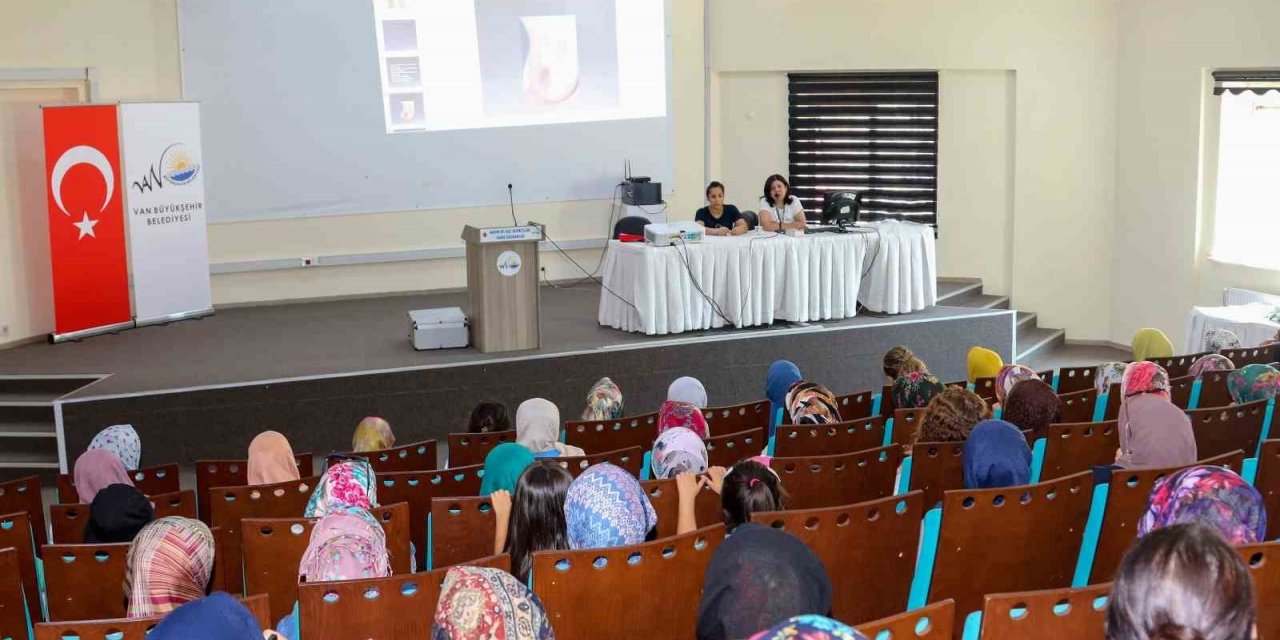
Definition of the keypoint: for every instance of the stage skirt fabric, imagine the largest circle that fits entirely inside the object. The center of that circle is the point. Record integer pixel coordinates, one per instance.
(759, 279)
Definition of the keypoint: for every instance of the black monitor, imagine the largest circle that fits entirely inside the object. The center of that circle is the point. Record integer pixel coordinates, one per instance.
(841, 208)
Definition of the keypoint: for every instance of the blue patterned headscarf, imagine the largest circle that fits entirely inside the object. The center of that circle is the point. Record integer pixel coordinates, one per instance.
(607, 507)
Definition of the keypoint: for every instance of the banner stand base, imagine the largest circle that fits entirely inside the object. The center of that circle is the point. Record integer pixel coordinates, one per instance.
(55, 338)
(174, 317)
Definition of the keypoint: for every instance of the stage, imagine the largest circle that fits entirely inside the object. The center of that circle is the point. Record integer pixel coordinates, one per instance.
(203, 388)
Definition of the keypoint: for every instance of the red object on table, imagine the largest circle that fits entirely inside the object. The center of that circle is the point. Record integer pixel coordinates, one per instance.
(630, 237)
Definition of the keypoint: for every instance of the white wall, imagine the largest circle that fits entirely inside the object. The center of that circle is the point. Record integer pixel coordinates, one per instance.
(1163, 218)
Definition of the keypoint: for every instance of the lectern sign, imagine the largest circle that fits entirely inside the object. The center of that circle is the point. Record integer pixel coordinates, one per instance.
(510, 234)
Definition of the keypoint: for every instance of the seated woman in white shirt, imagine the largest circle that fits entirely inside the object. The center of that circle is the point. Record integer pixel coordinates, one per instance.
(719, 218)
(779, 210)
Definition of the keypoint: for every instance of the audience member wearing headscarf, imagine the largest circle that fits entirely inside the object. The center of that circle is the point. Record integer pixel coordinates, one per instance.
(915, 390)
(538, 429)
(757, 577)
(345, 545)
(122, 440)
(1253, 382)
(1154, 432)
(218, 616)
(1211, 362)
(607, 507)
(169, 565)
(503, 466)
(349, 485)
(996, 455)
(117, 514)
(604, 402)
(686, 389)
(1211, 495)
(1151, 343)
(1109, 373)
(95, 470)
(675, 415)
(372, 434)
(782, 374)
(950, 416)
(678, 450)
(1009, 376)
(812, 403)
(983, 363)
(480, 603)
(1033, 405)
(271, 459)
(1144, 377)
(809, 627)
(1216, 340)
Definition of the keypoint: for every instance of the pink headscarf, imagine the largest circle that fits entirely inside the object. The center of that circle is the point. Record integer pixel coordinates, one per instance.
(97, 469)
(345, 545)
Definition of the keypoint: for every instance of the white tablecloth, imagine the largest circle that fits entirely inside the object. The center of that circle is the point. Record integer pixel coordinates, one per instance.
(1248, 321)
(758, 278)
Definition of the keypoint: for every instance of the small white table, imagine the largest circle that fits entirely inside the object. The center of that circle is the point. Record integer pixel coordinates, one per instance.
(1248, 321)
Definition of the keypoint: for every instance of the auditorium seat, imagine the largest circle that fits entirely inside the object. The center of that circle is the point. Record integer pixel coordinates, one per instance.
(1180, 391)
(827, 439)
(1070, 448)
(1222, 429)
(1213, 390)
(68, 520)
(1073, 379)
(639, 591)
(85, 581)
(15, 533)
(461, 530)
(234, 473)
(886, 401)
(1066, 614)
(384, 608)
(1252, 355)
(629, 458)
(633, 225)
(986, 388)
(23, 494)
(738, 417)
(869, 551)
(984, 540)
(594, 436)
(466, 449)
(13, 607)
(727, 449)
(856, 405)
(1078, 406)
(1111, 410)
(666, 504)
(906, 422)
(1121, 503)
(230, 505)
(1178, 366)
(1047, 377)
(1267, 482)
(149, 480)
(936, 467)
(133, 628)
(933, 622)
(418, 488)
(415, 456)
(1264, 565)
(840, 479)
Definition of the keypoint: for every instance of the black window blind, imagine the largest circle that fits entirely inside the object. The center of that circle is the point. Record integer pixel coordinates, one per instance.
(873, 133)
(1236, 82)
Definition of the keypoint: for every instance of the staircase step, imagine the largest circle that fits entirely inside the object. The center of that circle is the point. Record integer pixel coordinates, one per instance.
(28, 430)
(27, 389)
(975, 299)
(28, 460)
(951, 287)
(1026, 318)
(1034, 339)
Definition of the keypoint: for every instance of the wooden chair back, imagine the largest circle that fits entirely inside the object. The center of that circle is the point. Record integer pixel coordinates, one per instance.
(149, 480)
(1078, 406)
(647, 589)
(886, 401)
(1178, 366)
(1264, 565)
(868, 549)
(69, 520)
(1114, 397)
(738, 417)
(1252, 355)
(985, 388)
(1079, 446)
(23, 494)
(840, 479)
(666, 504)
(1127, 497)
(854, 406)
(594, 436)
(1213, 390)
(230, 505)
(906, 422)
(1180, 391)
(826, 439)
(976, 522)
(1223, 429)
(419, 488)
(387, 608)
(631, 459)
(1268, 484)
(726, 450)
(273, 550)
(235, 473)
(85, 581)
(15, 533)
(935, 622)
(13, 606)
(1073, 379)
(415, 456)
(466, 449)
(1053, 614)
(1046, 376)
(462, 530)
(936, 467)
(133, 628)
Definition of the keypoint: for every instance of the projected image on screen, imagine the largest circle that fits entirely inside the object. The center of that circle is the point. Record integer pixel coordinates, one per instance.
(503, 63)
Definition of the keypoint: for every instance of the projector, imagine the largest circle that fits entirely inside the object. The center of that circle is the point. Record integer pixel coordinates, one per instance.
(641, 192)
(667, 234)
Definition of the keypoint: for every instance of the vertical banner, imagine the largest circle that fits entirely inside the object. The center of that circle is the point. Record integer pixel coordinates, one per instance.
(164, 184)
(86, 222)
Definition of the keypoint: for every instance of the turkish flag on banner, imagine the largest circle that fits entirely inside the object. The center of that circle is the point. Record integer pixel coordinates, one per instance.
(86, 217)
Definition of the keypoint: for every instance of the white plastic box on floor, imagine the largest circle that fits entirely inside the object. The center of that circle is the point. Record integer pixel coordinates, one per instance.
(443, 328)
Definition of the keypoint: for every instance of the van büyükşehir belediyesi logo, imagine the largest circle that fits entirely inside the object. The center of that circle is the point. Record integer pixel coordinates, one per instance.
(177, 166)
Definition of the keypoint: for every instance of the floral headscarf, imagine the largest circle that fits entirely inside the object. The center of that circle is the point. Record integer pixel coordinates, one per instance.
(914, 390)
(809, 627)
(1253, 382)
(122, 440)
(372, 434)
(812, 403)
(604, 401)
(169, 565)
(1009, 375)
(480, 603)
(346, 486)
(607, 507)
(1211, 362)
(674, 414)
(1151, 343)
(1216, 340)
(345, 545)
(1144, 377)
(678, 450)
(1215, 496)
(1109, 373)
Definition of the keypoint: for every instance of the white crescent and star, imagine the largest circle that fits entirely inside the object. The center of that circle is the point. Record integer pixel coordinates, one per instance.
(82, 154)
(85, 226)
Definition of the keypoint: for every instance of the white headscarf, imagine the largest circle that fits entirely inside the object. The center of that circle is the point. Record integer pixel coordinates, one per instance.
(538, 428)
(122, 440)
(689, 390)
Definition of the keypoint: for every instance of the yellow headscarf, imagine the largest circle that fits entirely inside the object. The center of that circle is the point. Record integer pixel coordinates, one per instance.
(1151, 343)
(984, 363)
(372, 434)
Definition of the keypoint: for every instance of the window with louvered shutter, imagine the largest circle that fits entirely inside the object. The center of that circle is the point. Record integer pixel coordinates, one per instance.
(873, 133)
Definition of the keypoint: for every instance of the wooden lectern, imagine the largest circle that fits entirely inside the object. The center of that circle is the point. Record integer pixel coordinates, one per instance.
(502, 287)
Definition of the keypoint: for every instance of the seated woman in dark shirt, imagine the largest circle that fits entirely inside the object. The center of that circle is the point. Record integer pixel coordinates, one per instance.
(719, 218)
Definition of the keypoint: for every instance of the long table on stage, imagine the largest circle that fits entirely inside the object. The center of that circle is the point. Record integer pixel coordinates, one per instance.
(759, 278)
